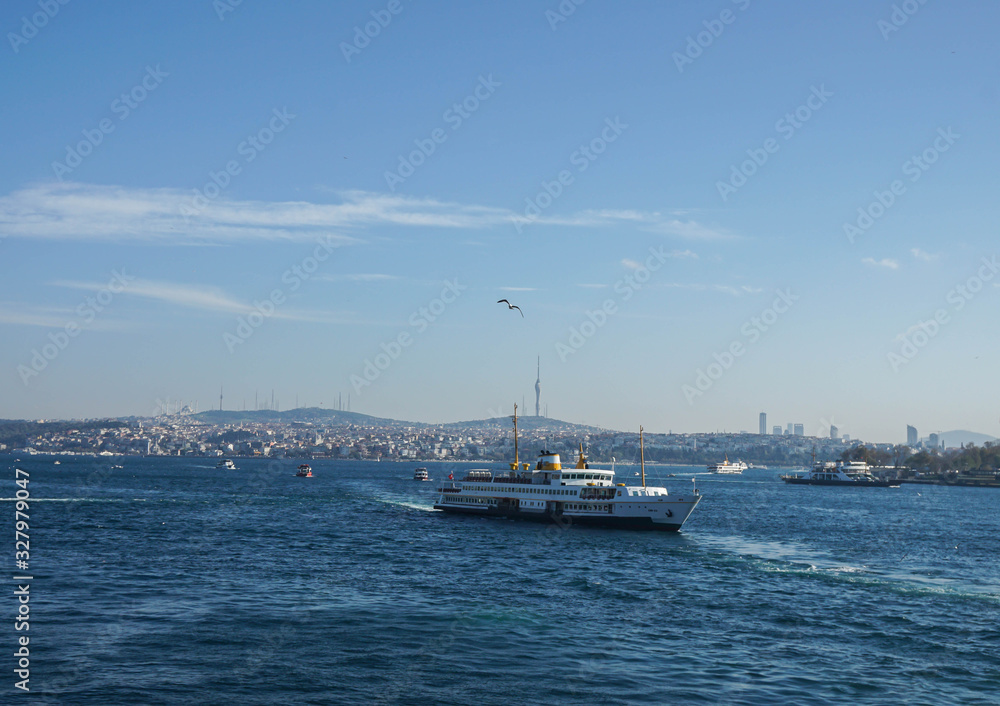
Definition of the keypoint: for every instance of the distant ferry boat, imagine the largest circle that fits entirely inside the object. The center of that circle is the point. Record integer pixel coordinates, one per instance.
(727, 467)
(854, 473)
(580, 495)
(304, 471)
(420, 474)
(226, 463)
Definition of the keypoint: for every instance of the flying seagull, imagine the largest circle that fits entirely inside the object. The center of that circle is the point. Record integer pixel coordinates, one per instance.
(511, 306)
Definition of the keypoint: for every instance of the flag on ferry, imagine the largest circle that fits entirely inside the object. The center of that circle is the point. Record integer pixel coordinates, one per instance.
(451, 476)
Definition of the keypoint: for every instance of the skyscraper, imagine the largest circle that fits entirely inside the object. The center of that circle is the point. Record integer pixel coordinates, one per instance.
(911, 435)
(538, 388)
(763, 423)
(776, 430)
(799, 430)
(834, 432)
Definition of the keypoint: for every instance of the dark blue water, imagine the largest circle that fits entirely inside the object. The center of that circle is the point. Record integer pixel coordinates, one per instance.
(170, 582)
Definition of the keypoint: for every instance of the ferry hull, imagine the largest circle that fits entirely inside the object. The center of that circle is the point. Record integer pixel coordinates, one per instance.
(565, 520)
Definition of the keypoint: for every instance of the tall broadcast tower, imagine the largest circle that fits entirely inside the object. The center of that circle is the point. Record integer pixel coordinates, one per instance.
(538, 388)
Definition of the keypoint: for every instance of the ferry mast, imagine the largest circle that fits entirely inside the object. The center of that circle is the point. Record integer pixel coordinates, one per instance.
(642, 458)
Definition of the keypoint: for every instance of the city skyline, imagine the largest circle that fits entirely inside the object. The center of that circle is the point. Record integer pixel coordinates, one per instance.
(329, 201)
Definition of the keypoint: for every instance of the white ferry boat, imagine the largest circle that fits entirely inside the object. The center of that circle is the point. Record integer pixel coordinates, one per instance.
(727, 467)
(226, 463)
(576, 496)
(853, 473)
(420, 474)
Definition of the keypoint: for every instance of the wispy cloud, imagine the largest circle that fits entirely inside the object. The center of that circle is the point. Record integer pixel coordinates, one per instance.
(21, 314)
(678, 254)
(88, 212)
(885, 262)
(724, 288)
(192, 296)
(648, 220)
(518, 289)
(361, 277)
(921, 255)
(205, 298)
(593, 286)
(692, 230)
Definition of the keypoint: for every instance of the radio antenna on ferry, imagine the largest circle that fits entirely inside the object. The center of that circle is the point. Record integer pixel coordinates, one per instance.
(642, 458)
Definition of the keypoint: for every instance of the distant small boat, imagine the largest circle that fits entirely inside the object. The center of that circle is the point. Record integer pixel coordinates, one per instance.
(727, 467)
(226, 463)
(304, 471)
(420, 474)
(58, 462)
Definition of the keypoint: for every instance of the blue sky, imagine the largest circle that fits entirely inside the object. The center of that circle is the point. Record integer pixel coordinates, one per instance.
(686, 169)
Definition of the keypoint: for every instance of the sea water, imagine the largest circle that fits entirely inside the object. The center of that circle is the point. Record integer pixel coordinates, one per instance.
(169, 581)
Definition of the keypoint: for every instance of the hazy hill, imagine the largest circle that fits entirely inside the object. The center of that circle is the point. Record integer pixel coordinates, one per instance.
(331, 417)
(526, 424)
(954, 439)
(314, 415)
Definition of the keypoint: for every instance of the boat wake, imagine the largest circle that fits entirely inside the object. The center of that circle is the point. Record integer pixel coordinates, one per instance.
(796, 559)
(397, 502)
